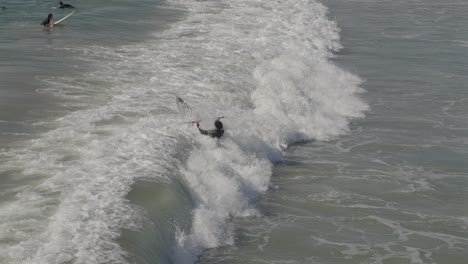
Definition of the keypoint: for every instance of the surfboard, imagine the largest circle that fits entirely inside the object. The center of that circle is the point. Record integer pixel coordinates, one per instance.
(63, 18)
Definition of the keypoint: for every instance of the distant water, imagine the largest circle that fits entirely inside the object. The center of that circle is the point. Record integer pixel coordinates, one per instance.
(341, 146)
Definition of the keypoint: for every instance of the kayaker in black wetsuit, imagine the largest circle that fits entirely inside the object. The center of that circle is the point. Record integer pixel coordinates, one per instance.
(46, 22)
(214, 133)
(62, 5)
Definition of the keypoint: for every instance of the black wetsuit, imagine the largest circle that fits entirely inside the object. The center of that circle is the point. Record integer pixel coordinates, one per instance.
(46, 21)
(214, 133)
(66, 6)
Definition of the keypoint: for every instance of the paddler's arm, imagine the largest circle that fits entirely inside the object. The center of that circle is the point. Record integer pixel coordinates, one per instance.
(203, 132)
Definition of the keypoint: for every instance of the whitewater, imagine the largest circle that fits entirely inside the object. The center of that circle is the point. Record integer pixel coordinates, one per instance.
(266, 66)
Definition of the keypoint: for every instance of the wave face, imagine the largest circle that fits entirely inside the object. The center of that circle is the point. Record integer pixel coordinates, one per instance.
(265, 66)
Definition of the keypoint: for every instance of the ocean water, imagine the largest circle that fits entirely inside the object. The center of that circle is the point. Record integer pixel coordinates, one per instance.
(345, 137)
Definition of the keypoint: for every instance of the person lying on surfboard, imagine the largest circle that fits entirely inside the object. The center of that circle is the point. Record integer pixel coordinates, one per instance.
(214, 133)
(62, 5)
(46, 22)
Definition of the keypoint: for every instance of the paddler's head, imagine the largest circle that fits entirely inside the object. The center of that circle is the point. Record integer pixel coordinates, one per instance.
(218, 124)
